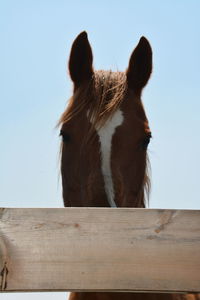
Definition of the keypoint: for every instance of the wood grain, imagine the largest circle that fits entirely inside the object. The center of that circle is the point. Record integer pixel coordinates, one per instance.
(99, 249)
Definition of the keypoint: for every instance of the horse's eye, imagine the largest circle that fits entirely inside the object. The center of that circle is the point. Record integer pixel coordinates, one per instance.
(146, 141)
(65, 136)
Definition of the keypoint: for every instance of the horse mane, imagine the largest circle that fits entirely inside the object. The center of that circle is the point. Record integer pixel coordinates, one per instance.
(146, 188)
(101, 97)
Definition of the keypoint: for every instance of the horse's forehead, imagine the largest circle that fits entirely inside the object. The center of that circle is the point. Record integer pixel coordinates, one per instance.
(110, 125)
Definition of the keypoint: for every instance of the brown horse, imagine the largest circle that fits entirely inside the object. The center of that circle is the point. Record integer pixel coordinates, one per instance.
(105, 135)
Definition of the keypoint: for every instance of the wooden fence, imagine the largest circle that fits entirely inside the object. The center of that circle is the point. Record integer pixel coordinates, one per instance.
(99, 249)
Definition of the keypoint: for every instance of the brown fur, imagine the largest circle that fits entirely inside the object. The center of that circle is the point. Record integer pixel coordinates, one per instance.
(132, 296)
(97, 96)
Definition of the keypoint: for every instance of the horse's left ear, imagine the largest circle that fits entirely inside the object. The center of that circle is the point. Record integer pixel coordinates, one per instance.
(140, 66)
(80, 61)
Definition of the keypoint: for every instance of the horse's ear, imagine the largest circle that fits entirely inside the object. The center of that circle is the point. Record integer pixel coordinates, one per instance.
(140, 66)
(80, 61)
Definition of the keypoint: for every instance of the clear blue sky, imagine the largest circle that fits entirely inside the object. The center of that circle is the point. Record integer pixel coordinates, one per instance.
(36, 36)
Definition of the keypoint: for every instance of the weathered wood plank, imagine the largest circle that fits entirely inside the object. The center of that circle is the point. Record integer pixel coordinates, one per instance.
(99, 249)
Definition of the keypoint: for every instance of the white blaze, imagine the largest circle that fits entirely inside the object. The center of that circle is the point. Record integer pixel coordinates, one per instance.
(105, 135)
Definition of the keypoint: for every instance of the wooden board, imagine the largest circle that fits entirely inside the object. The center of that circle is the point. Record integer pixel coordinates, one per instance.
(99, 249)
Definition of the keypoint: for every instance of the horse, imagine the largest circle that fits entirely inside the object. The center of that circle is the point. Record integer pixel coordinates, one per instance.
(105, 135)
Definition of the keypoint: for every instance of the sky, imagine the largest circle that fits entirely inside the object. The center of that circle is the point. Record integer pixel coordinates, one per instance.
(36, 36)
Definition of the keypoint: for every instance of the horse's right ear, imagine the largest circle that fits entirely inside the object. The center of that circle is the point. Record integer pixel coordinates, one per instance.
(80, 61)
